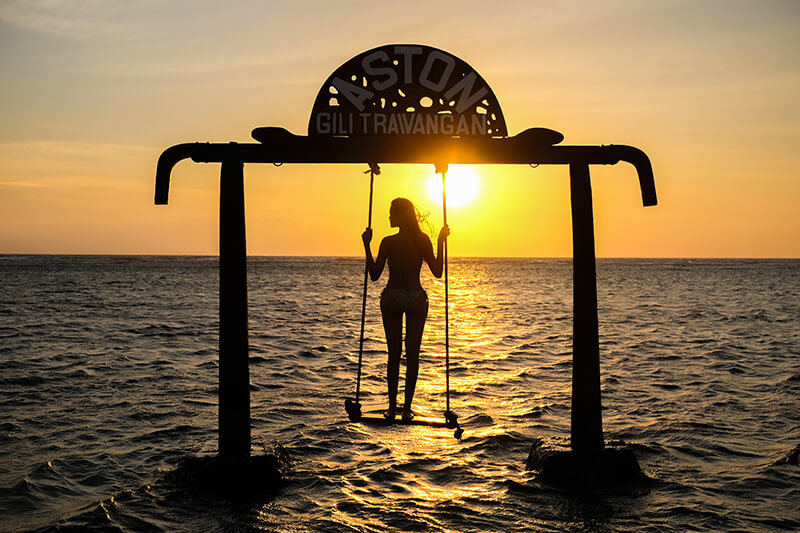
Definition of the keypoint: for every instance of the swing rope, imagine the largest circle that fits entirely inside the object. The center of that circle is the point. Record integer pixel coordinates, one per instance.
(374, 170)
(353, 408)
(446, 297)
(450, 416)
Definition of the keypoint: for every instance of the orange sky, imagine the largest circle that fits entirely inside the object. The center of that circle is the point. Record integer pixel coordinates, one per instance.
(93, 92)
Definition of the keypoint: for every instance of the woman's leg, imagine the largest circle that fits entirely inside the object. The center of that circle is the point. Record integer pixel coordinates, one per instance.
(393, 328)
(415, 324)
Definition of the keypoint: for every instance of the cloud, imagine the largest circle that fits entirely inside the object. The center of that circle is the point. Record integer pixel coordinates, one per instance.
(77, 19)
(23, 184)
(45, 164)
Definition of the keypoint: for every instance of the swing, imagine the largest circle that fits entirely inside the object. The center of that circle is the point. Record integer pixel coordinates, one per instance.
(352, 405)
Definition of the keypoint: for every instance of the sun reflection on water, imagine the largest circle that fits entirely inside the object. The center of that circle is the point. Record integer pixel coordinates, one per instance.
(507, 385)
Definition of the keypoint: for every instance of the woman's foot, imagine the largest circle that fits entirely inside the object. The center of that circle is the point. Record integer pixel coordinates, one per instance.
(390, 413)
(408, 415)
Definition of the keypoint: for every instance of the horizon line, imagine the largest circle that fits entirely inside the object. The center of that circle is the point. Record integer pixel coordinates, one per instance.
(70, 254)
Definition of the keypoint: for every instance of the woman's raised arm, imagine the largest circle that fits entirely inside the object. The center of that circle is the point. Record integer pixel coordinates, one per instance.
(375, 268)
(436, 263)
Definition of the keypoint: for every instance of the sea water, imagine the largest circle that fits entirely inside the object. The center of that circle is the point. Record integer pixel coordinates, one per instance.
(109, 379)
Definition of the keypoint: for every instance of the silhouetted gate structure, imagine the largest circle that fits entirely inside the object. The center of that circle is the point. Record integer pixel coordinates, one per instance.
(407, 104)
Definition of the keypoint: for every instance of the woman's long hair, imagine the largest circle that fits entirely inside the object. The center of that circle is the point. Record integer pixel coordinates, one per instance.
(408, 218)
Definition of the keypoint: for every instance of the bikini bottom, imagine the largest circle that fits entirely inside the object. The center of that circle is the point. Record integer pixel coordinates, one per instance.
(404, 300)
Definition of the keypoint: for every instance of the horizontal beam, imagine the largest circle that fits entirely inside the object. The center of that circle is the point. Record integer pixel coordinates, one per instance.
(533, 146)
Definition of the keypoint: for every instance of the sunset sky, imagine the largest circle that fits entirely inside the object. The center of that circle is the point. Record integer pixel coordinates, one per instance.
(92, 91)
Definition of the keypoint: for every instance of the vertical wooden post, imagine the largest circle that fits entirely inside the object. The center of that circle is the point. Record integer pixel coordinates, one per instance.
(587, 419)
(234, 372)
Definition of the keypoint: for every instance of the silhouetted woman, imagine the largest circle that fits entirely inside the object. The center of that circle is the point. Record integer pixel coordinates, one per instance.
(405, 251)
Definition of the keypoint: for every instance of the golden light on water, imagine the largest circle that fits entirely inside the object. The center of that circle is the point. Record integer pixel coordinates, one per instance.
(463, 186)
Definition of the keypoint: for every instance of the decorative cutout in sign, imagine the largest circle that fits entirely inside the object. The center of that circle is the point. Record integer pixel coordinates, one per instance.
(406, 90)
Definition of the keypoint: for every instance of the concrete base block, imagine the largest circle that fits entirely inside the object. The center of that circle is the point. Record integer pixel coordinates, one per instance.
(233, 478)
(557, 464)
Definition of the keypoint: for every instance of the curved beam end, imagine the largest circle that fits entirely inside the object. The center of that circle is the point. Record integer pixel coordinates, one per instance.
(644, 169)
(168, 159)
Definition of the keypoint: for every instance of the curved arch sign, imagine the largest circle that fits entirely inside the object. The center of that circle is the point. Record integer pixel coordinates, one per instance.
(406, 90)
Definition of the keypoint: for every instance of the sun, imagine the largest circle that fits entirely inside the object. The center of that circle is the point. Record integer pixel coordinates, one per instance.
(463, 186)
